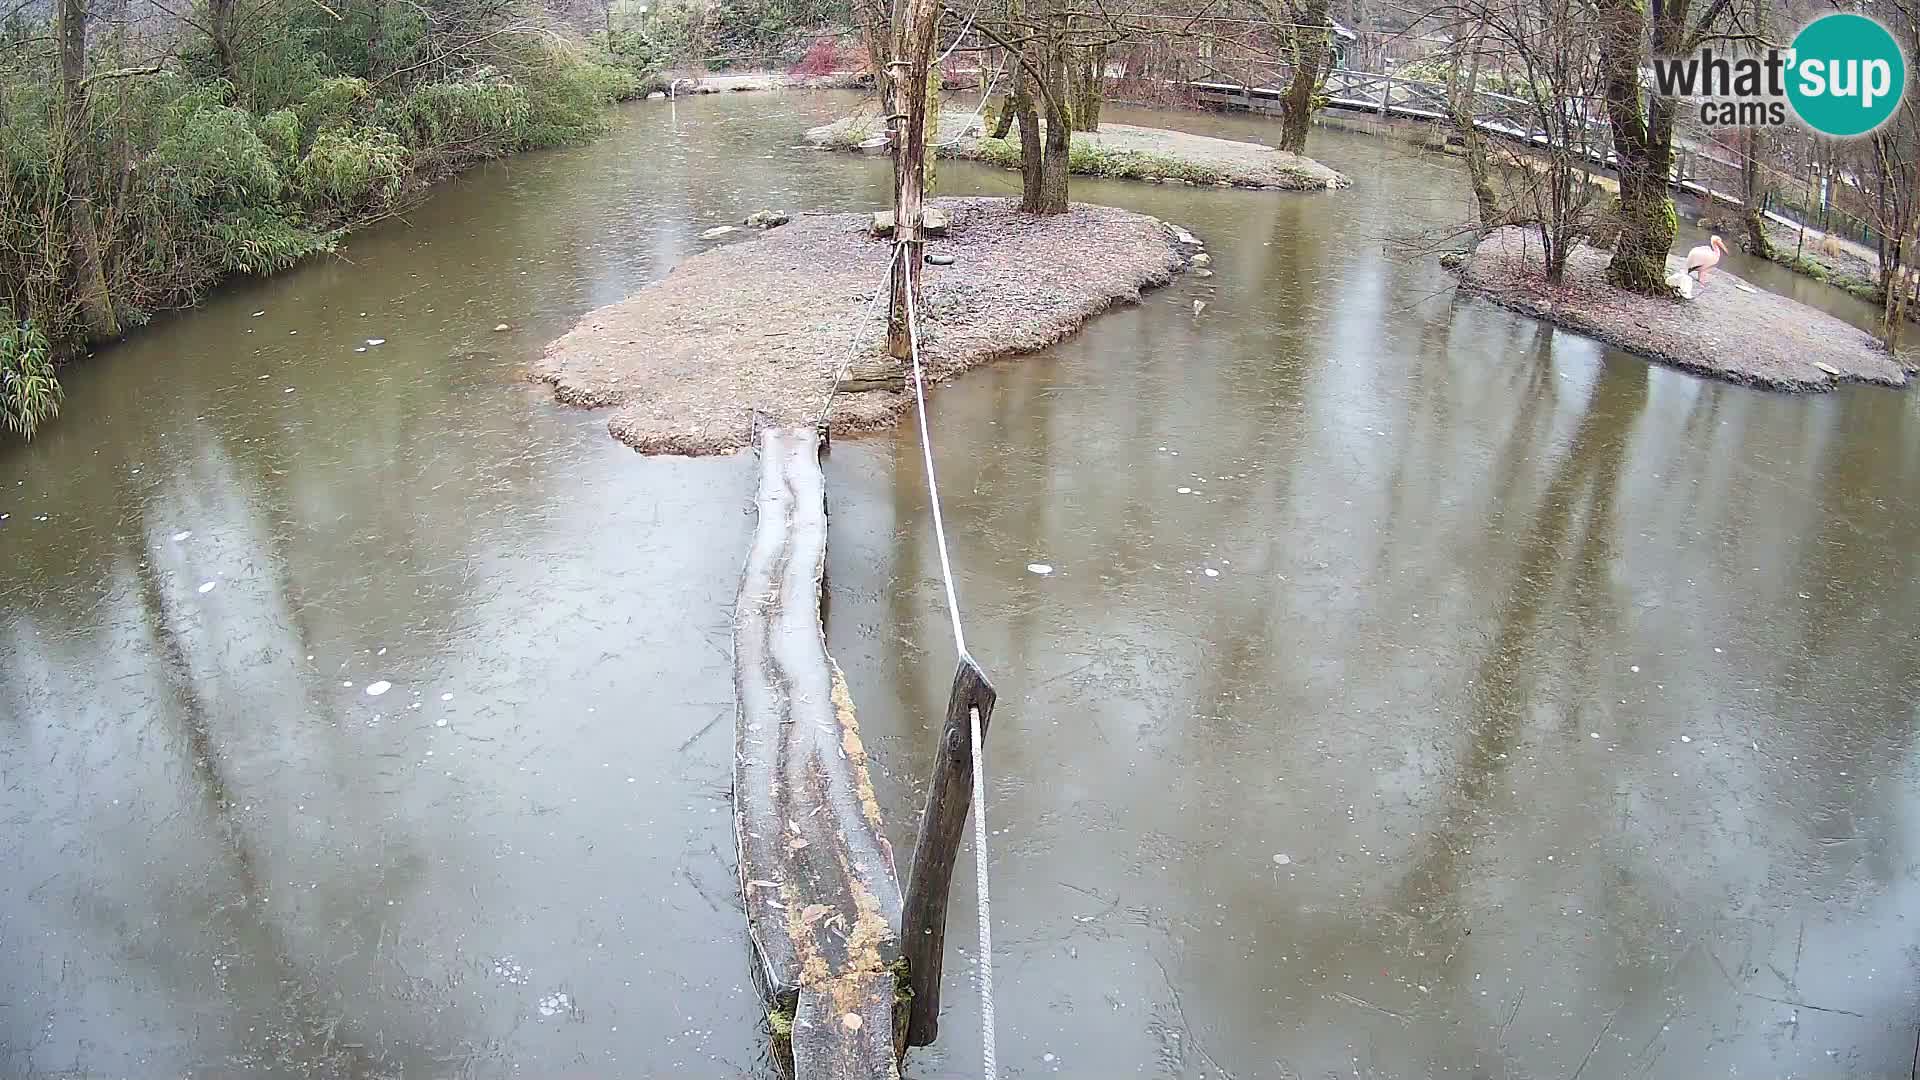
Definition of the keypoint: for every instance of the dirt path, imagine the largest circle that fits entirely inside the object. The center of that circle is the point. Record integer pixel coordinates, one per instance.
(763, 325)
(1729, 330)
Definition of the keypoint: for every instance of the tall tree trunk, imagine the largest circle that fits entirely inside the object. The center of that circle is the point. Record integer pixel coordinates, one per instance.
(1311, 56)
(877, 35)
(220, 30)
(1643, 151)
(1059, 126)
(909, 72)
(1753, 188)
(77, 171)
(1753, 196)
(1032, 156)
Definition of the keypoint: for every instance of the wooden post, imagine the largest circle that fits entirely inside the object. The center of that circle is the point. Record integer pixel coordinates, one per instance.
(913, 39)
(942, 825)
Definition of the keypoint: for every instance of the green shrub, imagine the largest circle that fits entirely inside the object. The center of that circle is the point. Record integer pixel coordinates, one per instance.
(333, 104)
(210, 155)
(468, 120)
(264, 242)
(280, 131)
(569, 103)
(29, 394)
(351, 171)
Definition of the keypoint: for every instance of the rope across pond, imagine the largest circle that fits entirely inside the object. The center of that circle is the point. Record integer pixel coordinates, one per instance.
(990, 1067)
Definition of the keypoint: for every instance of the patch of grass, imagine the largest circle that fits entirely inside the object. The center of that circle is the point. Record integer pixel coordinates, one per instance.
(1813, 267)
(1087, 158)
(780, 1026)
(902, 1003)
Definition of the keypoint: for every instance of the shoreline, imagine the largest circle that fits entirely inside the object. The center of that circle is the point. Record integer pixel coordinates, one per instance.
(1116, 152)
(1730, 330)
(757, 331)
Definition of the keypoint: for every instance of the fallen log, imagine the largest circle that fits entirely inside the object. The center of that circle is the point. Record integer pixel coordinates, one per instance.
(817, 877)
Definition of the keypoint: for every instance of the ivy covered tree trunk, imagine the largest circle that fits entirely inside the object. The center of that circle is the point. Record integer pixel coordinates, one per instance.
(1753, 188)
(1312, 54)
(1753, 197)
(1643, 150)
(220, 31)
(1005, 111)
(1059, 126)
(1032, 156)
(1474, 144)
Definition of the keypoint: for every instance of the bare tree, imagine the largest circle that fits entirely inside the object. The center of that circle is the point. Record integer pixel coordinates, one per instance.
(1548, 47)
(1894, 171)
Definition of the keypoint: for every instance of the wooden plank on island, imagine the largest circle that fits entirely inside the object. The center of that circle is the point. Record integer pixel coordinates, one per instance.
(817, 878)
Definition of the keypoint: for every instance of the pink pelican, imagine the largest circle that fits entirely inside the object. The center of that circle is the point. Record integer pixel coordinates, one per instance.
(1704, 258)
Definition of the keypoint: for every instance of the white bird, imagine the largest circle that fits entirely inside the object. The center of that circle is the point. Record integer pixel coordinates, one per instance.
(1702, 260)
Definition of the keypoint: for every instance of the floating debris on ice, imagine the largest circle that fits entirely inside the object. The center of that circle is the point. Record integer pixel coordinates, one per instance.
(446, 697)
(1282, 860)
(442, 722)
(257, 314)
(183, 535)
(1686, 738)
(378, 687)
(1183, 491)
(1635, 669)
(376, 341)
(1039, 568)
(207, 586)
(553, 1004)
(1211, 572)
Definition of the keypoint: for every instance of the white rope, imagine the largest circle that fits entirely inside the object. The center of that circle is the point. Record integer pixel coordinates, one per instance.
(978, 110)
(991, 1068)
(964, 31)
(853, 342)
(984, 908)
(926, 448)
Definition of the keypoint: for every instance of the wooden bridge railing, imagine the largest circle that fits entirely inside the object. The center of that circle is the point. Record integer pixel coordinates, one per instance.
(1504, 115)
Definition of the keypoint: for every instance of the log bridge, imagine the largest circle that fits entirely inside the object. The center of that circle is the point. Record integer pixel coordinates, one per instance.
(844, 996)
(817, 878)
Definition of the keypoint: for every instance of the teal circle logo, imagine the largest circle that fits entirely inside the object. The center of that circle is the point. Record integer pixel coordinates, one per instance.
(1848, 75)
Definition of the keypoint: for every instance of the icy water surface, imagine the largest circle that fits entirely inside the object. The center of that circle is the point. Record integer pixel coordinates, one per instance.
(1488, 705)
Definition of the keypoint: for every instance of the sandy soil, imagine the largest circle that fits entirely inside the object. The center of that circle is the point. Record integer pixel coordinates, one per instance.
(1122, 151)
(764, 325)
(1754, 337)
